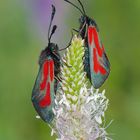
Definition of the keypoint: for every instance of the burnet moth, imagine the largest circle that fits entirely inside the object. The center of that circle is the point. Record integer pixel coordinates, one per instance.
(96, 63)
(43, 94)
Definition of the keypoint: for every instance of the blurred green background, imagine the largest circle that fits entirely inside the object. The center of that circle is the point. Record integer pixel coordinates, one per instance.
(20, 45)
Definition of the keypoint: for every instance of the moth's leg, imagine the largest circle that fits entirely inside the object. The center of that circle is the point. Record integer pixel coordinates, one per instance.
(66, 64)
(57, 56)
(68, 43)
(75, 30)
(86, 30)
(58, 78)
(72, 36)
(80, 31)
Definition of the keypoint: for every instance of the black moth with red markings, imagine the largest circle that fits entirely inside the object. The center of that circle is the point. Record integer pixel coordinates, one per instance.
(96, 63)
(43, 94)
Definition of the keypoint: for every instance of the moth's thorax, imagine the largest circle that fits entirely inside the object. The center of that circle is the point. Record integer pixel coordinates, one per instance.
(52, 47)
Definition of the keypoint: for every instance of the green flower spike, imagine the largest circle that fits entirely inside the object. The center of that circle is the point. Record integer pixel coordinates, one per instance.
(79, 109)
(73, 74)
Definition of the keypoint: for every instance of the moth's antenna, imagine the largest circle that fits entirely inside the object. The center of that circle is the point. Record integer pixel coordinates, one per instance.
(54, 27)
(82, 6)
(52, 32)
(82, 12)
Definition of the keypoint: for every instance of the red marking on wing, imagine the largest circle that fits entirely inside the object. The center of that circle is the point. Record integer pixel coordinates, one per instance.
(45, 75)
(51, 70)
(92, 34)
(46, 101)
(97, 67)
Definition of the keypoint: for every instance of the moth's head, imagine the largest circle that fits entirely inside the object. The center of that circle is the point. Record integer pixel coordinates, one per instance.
(53, 48)
(82, 19)
(85, 19)
(89, 21)
(53, 51)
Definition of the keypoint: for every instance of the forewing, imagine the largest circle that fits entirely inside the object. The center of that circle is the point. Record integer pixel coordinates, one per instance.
(99, 63)
(43, 91)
